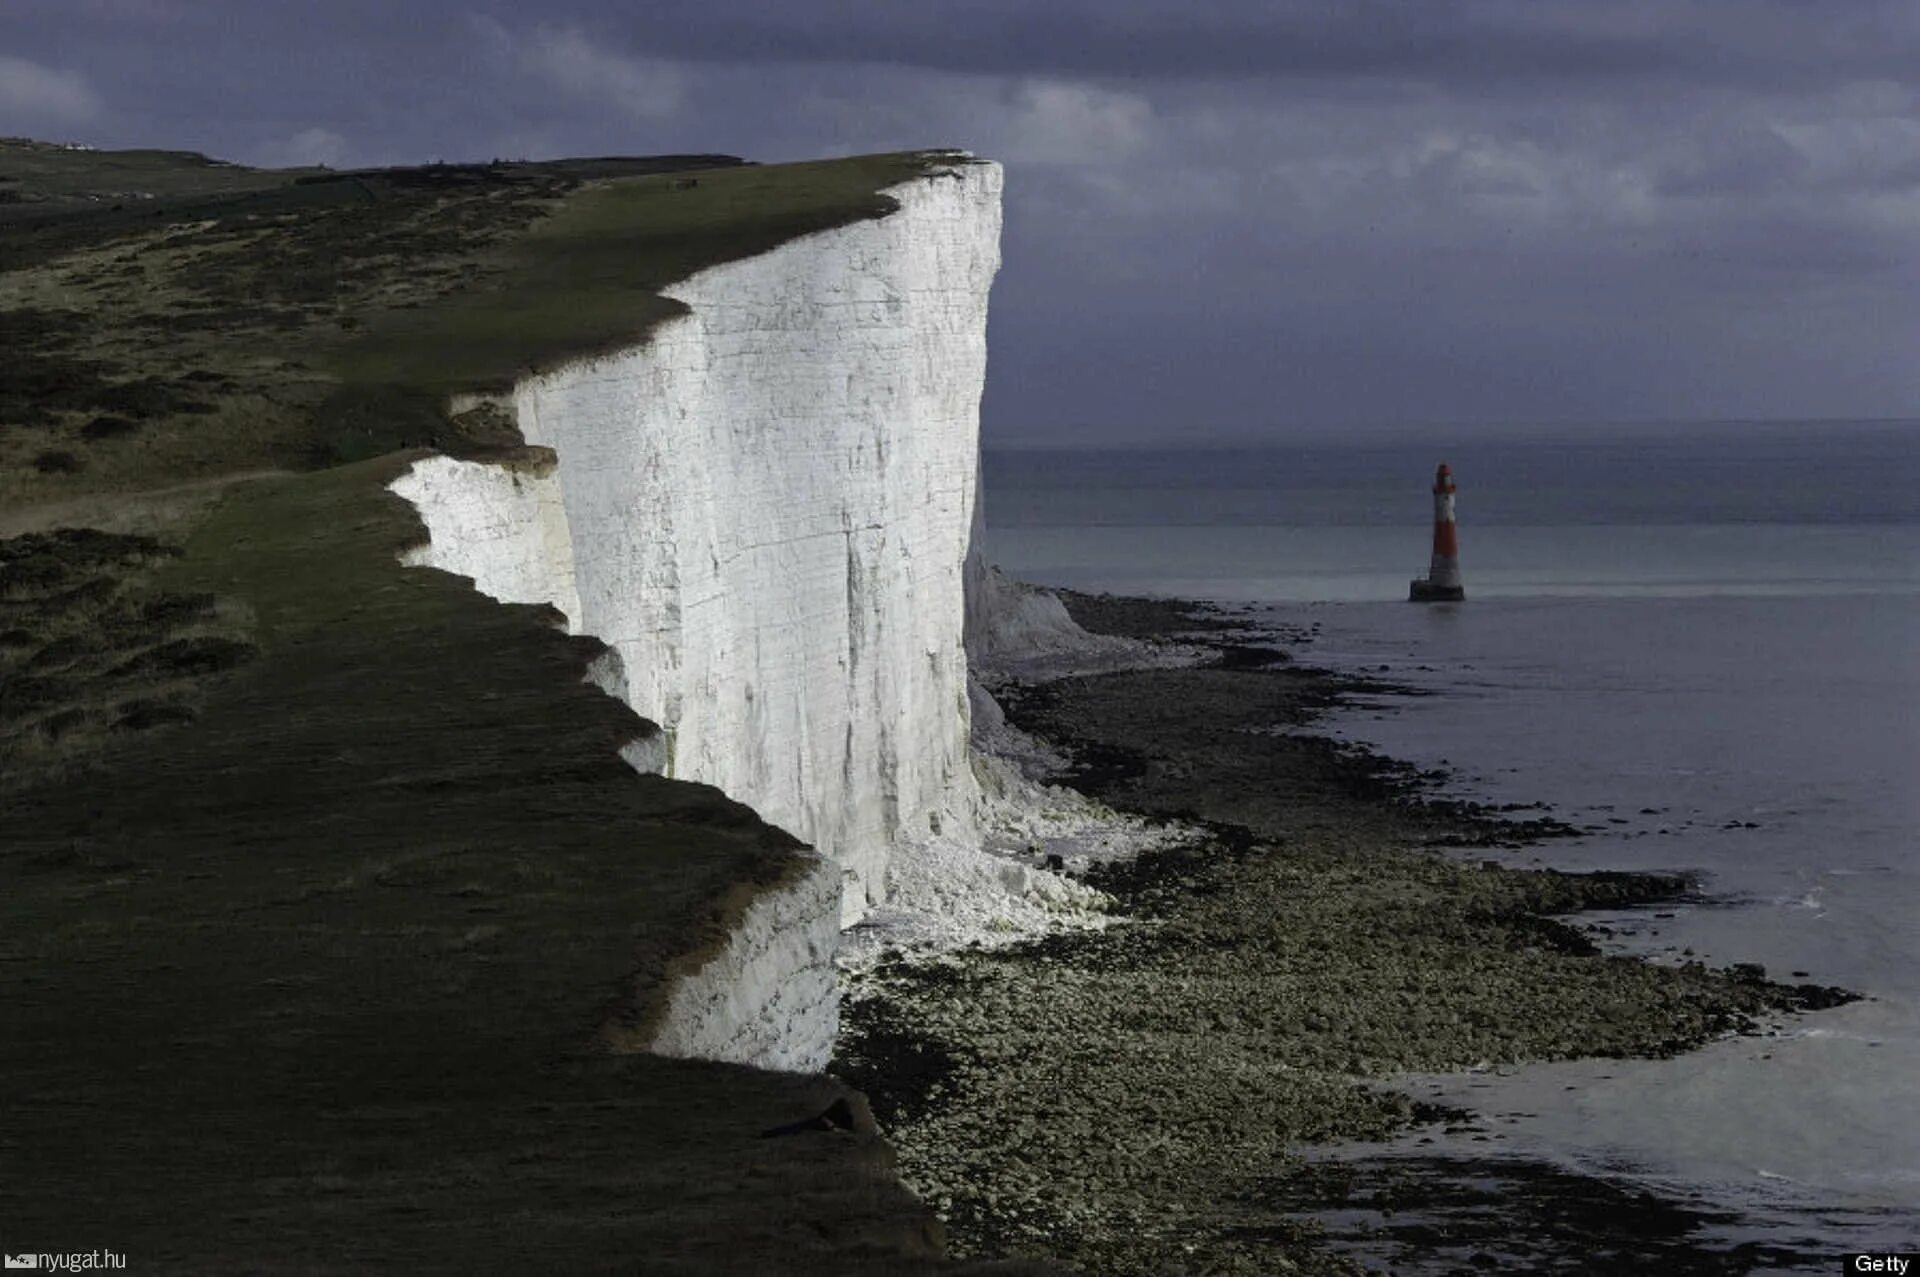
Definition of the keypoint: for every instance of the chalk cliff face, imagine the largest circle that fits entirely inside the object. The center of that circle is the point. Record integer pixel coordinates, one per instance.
(770, 505)
(765, 510)
(504, 526)
(771, 998)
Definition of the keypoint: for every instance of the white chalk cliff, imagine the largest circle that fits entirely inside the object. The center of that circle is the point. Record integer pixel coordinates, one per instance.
(765, 509)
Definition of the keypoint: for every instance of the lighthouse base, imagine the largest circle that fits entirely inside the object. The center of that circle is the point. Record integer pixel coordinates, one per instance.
(1422, 590)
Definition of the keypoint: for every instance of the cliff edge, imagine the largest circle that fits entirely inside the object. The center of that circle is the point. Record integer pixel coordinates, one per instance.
(765, 510)
(336, 917)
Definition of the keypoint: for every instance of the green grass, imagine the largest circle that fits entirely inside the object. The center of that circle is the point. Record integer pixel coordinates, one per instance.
(295, 321)
(90, 650)
(320, 982)
(587, 278)
(320, 923)
(40, 180)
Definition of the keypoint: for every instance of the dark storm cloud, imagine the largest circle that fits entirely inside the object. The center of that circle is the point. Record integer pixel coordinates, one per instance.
(1441, 40)
(1765, 42)
(1221, 217)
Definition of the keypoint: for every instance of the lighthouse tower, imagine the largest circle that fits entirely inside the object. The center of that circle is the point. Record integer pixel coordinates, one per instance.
(1442, 581)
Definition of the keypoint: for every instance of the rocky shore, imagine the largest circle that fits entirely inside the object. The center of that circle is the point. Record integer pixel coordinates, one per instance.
(1137, 1099)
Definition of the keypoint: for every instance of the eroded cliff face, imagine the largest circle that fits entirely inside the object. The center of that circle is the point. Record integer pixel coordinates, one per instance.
(771, 997)
(503, 525)
(770, 504)
(765, 510)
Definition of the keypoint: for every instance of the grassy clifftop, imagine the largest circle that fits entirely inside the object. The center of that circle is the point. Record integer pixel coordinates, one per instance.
(320, 876)
(241, 319)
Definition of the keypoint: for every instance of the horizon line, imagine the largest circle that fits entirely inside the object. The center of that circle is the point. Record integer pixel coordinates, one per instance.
(1243, 440)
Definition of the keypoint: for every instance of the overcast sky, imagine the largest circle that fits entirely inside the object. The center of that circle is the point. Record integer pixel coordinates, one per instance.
(1225, 218)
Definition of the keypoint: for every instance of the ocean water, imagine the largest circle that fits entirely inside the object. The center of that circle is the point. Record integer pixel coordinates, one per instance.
(1701, 642)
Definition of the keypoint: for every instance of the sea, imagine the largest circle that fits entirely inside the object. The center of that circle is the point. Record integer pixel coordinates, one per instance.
(1698, 642)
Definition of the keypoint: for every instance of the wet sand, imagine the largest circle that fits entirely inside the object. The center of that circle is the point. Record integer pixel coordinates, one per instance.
(1138, 1100)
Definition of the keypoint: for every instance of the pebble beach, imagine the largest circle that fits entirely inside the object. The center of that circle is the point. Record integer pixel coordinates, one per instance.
(1152, 1096)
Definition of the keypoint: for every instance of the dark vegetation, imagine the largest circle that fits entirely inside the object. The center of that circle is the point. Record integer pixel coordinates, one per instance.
(57, 461)
(323, 978)
(91, 647)
(329, 915)
(41, 385)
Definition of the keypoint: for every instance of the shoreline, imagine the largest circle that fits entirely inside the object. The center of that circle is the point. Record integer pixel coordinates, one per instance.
(1137, 1099)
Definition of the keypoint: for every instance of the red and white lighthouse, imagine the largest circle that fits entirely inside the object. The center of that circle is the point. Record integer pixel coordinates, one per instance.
(1442, 581)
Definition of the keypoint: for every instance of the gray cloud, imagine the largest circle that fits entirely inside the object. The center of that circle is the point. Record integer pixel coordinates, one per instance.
(32, 93)
(1452, 41)
(567, 60)
(1223, 217)
(311, 146)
